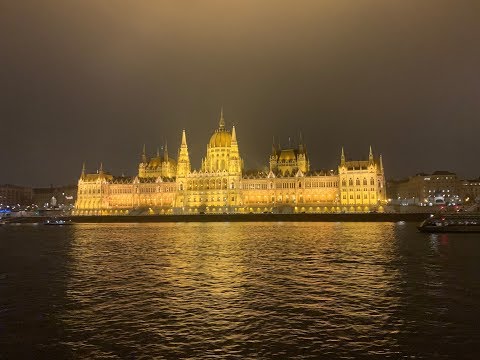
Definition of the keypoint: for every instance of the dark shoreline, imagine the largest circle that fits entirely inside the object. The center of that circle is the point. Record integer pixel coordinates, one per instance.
(366, 217)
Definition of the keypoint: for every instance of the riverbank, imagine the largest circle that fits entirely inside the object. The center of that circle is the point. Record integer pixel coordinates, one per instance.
(348, 217)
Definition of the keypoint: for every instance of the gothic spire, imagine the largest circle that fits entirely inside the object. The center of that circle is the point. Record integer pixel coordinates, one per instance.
(234, 134)
(165, 152)
(144, 154)
(221, 123)
(370, 154)
(184, 139)
(342, 157)
(83, 169)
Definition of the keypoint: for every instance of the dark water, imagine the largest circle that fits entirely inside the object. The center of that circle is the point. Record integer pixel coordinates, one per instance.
(238, 291)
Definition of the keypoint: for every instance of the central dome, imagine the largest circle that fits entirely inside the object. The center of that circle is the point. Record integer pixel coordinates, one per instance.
(221, 138)
(287, 155)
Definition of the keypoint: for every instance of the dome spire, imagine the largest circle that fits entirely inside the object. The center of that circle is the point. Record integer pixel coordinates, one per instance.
(234, 134)
(144, 154)
(165, 151)
(221, 123)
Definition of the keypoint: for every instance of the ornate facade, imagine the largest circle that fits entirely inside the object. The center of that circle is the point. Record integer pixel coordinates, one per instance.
(221, 185)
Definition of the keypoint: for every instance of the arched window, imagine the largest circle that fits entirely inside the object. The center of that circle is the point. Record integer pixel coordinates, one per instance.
(350, 182)
(372, 181)
(344, 182)
(357, 182)
(365, 181)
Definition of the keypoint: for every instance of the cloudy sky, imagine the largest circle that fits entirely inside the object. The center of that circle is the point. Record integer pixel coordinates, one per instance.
(92, 81)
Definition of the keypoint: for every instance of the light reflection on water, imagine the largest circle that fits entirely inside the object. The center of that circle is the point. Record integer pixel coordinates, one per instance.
(240, 290)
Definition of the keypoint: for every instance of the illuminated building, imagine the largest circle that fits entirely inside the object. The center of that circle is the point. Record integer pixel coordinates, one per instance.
(221, 185)
(438, 188)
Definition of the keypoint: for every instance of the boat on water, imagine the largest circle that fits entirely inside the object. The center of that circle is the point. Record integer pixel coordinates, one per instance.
(57, 222)
(451, 223)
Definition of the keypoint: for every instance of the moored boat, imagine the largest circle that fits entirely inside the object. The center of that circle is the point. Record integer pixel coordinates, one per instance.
(57, 222)
(452, 223)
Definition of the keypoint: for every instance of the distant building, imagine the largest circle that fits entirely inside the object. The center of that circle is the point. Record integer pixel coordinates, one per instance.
(470, 190)
(438, 188)
(55, 197)
(221, 185)
(14, 195)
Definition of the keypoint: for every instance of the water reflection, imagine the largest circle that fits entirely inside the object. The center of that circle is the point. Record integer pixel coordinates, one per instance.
(241, 290)
(236, 285)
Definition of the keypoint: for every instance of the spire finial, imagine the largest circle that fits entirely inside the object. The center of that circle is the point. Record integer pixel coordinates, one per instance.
(221, 123)
(370, 154)
(165, 151)
(144, 154)
(184, 138)
(100, 170)
(342, 157)
(83, 169)
(234, 134)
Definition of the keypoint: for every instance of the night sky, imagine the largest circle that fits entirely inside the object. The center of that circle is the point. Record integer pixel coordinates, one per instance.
(94, 80)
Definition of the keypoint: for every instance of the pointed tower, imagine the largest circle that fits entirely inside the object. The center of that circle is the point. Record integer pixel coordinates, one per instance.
(82, 176)
(143, 164)
(144, 155)
(221, 123)
(183, 163)
(165, 152)
(100, 169)
(370, 155)
(381, 163)
(273, 157)
(301, 145)
(342, 157)
(234, 163)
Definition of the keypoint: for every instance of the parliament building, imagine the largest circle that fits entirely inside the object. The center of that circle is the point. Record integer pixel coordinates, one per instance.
(165, 185)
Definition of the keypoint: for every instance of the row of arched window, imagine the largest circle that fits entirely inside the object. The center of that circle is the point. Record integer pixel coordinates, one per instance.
(357, 182)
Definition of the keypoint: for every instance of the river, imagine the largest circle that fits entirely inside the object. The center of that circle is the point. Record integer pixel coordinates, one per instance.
(238, 291)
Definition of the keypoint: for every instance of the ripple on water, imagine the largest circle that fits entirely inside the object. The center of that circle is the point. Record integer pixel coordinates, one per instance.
(240, 290)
